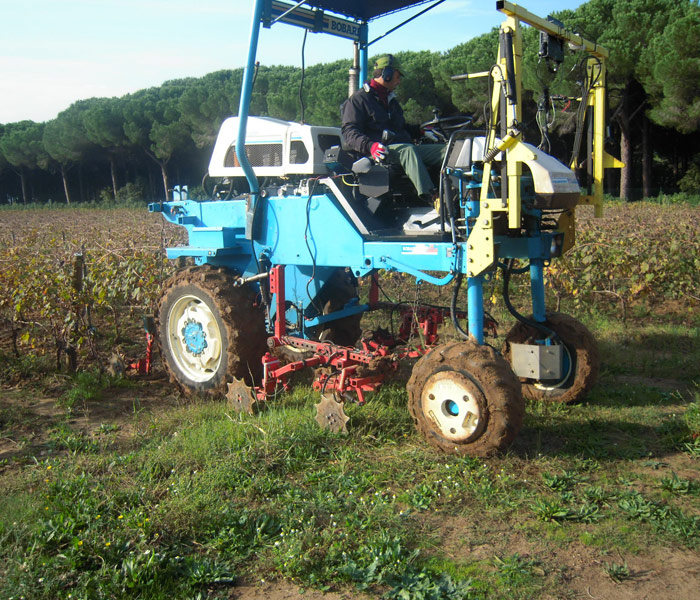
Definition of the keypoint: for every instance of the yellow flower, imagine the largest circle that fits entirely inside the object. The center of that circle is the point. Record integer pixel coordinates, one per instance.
(48, 468)
(108, 544)
(120, 517)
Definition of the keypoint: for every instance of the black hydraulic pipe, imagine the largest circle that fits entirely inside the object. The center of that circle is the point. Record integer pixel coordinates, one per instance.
(453, 306)
(504, 162)
(507, 43)
(425, 10)
(507, 269)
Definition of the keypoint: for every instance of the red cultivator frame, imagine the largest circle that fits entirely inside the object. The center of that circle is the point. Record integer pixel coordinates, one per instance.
(342, 373)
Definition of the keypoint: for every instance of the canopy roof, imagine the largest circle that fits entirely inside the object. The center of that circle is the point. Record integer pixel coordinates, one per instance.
(364, 10)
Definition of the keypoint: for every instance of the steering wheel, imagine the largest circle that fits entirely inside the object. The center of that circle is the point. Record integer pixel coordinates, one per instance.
(444, 126)
(217, 188)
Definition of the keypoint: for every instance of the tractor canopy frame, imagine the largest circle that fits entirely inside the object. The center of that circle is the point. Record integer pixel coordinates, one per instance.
(351, 24)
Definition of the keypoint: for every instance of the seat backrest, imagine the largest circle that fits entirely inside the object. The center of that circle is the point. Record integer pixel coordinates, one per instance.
(466, 146)
(461, 154)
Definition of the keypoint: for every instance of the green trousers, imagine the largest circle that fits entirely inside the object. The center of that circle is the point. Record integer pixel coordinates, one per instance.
(414, 159)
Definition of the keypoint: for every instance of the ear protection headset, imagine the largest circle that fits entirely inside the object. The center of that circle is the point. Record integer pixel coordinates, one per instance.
(388, 71)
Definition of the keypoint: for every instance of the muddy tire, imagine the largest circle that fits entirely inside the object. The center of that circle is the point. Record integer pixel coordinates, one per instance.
(465, 399)
(581, 359)
(209, 330)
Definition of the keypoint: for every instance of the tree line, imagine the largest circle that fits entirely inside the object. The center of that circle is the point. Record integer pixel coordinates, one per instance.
(141, 144)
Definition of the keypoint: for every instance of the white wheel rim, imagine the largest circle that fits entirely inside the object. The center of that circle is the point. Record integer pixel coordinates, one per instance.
(451, 401)
(194, 338)
(555, 385)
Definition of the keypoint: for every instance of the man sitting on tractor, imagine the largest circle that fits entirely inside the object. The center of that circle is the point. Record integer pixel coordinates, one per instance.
(374, 125)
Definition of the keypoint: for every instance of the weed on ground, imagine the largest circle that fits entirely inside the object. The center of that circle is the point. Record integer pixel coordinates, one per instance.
(199, 499)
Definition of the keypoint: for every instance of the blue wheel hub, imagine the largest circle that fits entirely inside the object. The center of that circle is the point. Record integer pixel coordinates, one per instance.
(452, 408)
(194, 337)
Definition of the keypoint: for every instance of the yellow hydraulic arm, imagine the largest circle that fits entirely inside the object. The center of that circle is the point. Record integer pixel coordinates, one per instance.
(507, 86)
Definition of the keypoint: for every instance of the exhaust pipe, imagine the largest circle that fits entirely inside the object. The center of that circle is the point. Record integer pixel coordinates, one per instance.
(354, 72)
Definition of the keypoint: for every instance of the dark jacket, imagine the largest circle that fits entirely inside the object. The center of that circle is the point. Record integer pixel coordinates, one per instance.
(365, 118)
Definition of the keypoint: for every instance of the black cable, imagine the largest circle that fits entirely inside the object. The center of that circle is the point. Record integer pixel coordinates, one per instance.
(255, 75)
(307, 231)
(325, 383)
(488, 116)
(301, 83)
(453, 306)
(580, 116)
(381, 289)
(513, 271)
(542, 119)
(583, 107)
(507, 270)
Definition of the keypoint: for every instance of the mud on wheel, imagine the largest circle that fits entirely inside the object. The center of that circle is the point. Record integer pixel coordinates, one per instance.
(581, 360)
(209, 330)
(465, 399)
(338, 291)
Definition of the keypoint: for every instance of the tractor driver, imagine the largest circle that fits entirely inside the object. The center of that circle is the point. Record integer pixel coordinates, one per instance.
(374, 109)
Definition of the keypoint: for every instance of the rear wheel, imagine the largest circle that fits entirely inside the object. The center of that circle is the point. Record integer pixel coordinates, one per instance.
(338, 291)
(340, 288)
(465, 399)
(581, 359)
(210, 331)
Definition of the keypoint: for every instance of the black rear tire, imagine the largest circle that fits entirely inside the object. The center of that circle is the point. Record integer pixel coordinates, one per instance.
(581, 359)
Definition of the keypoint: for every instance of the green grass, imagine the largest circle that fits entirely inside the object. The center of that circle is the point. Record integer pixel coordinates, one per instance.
(199, 497)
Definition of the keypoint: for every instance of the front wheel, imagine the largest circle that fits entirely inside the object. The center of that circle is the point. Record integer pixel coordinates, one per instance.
(465, 399)
(210, 331)
(580, 360)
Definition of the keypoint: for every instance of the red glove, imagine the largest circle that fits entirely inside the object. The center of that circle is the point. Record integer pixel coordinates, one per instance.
(378, 151)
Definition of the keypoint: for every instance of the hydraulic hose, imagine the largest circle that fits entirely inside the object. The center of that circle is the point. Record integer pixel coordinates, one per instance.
(453, 306)
(507, 42)
(507, 270)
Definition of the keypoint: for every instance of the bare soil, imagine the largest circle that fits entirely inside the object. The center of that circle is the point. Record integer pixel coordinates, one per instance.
(661, 573)
(664, 384)
(656, 574)
(35, 414)
(286, 590)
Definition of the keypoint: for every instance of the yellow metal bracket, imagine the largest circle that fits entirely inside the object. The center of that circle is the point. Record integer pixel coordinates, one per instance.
(567, 225)
(610, 162)
(481, 252)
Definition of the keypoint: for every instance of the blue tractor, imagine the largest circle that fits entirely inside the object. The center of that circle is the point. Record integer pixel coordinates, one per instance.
(294, 223)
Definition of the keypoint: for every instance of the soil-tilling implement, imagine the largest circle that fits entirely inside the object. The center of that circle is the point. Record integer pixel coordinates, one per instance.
(294, 222)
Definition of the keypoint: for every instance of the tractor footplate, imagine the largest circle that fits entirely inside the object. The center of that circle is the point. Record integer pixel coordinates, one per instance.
(241, 397)
(330, 414)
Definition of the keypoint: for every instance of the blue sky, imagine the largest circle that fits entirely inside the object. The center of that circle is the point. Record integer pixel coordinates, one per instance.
(54, 52)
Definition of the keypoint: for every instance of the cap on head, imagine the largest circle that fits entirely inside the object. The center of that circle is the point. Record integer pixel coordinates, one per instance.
(388, 64)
